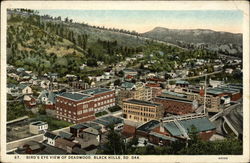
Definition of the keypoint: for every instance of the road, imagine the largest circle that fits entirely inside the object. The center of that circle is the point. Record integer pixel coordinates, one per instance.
(193, 77)
(235, 118)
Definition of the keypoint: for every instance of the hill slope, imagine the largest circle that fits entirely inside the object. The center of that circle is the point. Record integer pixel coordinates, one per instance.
(224, 42)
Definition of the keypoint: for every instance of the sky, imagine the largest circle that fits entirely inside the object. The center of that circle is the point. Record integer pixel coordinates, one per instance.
(145, 20)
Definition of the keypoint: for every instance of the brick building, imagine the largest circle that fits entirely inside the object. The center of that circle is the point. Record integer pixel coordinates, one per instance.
(76, 107)
(134, 91)
(142, 111)
(171, 129)
(176, 105)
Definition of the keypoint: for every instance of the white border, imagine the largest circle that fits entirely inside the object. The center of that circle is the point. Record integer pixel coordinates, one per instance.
(134, 5)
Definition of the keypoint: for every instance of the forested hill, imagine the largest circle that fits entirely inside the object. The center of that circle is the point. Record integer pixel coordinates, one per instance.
(223, 42)
(45, 44)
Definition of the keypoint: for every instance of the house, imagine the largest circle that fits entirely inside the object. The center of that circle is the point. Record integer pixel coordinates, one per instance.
(13, 90)
(89, 136)
(78, 128)
(66, 144)
(14, 76)
(128, 71)
(45, 84)
(24, 89)
(229, 71)
(32, 147)
(38, 127)
(215, 83)
(51, 150)
(50, 138)
(29, 101)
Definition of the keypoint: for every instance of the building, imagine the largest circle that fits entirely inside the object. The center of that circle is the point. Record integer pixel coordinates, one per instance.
(170, 129)
(76, 107)
(103, 98)
(131, 72)
(135, 91)
(32, 147)
(176, 106)
(50, 138)
(66, 145)
(38, 127)
(142, 111)
(156, 89)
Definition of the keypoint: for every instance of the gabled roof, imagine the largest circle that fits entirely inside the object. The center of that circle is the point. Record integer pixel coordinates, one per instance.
(22, 86)
(147, 127)
(50, 135)
(164, 137)
(201, 124)
(112, 119)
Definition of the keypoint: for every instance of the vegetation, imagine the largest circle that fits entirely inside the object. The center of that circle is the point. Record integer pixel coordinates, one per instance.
(16, 110)
(101, 113)
(115, 108)
(53, 123)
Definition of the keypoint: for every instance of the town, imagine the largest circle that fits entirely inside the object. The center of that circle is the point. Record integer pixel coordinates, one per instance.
(135, 105)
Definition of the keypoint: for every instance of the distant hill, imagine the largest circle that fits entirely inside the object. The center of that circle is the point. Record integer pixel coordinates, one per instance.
(224, 42)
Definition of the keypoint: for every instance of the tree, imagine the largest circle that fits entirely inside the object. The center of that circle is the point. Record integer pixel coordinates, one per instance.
(115, 144)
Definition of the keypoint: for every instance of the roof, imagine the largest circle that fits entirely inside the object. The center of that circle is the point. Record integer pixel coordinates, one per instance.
(181, 82)
(65, 135)
(50, 150)
(129, 70)
(112, 119)
(78, 150)
(74, 96)
(158, 135)
(65, 142)
(38, 123)
(79, 126)
(102, 122)
(52, 97)
(96, 91)
(33, 145)
(174, 94)
(147, 127)
(50, 135)
(174, 99)
(93, 125)
(22, 86)
(140, 102)
(91, 131)
(201, 124)
(127, 85)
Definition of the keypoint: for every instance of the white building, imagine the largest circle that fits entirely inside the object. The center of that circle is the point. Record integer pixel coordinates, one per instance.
(38, 127)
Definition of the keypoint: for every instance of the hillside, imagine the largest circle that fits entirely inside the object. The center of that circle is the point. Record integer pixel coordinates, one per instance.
(43, 44)
(223, 42)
